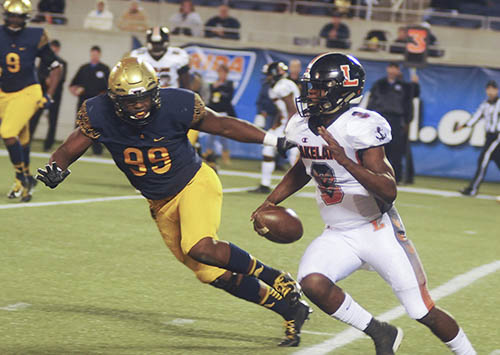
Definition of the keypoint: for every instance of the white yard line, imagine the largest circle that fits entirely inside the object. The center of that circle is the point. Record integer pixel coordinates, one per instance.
(15, 306)
(100, 199)
(448, 288)
(417, 190)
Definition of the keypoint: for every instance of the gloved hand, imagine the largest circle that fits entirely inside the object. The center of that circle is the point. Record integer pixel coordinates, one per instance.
(45, 101)
(52, 175)
(284, 145)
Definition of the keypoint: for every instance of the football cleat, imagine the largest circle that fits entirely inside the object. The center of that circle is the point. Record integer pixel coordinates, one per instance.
(28, 188)
(387, 339)
(468, 192)
(288, 288)
(261, 190)
(293, 326)
(15, 190)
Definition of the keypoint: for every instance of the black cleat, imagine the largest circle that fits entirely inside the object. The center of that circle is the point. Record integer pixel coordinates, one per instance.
(27, 188)
(387, 338)
(15, 190)
(261, 190)
(288, 288)
(468, 192)
(301, 313)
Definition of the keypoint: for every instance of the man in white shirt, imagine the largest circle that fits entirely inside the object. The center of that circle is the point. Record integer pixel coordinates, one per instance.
(100, 18)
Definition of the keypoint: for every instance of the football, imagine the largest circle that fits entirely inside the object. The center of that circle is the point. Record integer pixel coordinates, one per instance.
(278, 224)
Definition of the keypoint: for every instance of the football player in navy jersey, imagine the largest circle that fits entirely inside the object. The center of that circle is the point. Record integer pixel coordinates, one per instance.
(20, 93)
(145, 128)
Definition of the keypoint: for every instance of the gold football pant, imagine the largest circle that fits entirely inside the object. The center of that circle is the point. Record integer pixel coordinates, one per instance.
(16, 109)
(191, 215)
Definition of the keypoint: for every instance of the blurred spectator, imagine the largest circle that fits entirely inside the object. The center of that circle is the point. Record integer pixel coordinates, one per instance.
(318, 7)
(134, 18)
(51, 11)
(393, 99)
(294, 71)
(186, 22)
(343, 7)
(221, 94)
(217, 25)
(374, 41)
(91, 80)
(100, 18)
(399, 44)
(336, 33)
(43, 75)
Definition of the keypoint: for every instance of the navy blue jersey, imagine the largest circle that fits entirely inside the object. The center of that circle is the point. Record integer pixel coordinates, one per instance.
(18, 52)
(157, 158)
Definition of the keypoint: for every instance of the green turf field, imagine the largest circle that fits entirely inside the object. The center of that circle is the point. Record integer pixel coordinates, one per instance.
(96, 278)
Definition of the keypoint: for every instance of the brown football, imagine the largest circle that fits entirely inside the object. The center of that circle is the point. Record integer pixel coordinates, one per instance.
(278, 224)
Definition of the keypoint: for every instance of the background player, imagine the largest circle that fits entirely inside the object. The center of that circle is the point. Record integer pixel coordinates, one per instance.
(21, 94)
(144, 129)
(283, 92)
(355, 189)
(170, 63)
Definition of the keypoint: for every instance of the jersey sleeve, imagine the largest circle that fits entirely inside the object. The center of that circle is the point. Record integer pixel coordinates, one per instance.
(368, 129)
(83, 122)
(282, 89)
(199, 110)
(47, 56)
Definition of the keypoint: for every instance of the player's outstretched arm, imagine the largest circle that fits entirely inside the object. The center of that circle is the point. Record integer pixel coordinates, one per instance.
(230, 127)
(57, 169)
(295, 179)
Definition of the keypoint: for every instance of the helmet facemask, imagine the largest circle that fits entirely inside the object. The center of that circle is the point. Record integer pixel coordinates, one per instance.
(158, 40)
(133, 88)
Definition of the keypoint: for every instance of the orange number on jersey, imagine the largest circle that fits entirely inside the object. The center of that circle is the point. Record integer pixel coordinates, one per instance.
(160, 155)
(417, 41)
(13, 62)
(133, 156)
(347, 76)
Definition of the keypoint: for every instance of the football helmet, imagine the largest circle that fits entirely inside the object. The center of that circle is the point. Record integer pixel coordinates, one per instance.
(158, 40)
(16, 13)
(132, 82)
(339, 78)
(274, 71)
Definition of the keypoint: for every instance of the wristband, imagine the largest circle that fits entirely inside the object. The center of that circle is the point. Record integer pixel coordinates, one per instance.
(270, 139)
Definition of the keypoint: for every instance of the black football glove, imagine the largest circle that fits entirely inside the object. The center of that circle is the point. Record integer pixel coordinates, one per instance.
(52, 175)
(283, 146)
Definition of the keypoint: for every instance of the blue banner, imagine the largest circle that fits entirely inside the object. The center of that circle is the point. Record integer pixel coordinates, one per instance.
(449, 95)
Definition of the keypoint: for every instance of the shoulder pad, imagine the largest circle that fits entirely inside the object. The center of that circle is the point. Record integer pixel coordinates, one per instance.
(367, 129)
(283, 88)
(293, 124)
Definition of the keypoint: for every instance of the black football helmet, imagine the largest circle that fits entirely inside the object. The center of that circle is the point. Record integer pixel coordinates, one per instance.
(341, 77)
(274, 71)
(16, 13)
(158, 40)
(132, 80)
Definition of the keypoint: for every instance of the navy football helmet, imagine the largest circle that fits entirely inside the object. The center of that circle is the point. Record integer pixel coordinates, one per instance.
(340, 79)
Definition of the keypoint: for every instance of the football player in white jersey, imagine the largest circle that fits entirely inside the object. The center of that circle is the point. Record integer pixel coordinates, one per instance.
(342, 151)
(170, 63)
(283, 92)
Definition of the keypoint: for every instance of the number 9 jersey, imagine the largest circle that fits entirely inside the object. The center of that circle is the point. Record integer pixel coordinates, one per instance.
(18, 53)
(343, 202)
(157, 158)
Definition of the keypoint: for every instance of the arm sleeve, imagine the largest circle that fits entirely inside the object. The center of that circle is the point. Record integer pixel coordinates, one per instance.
(199, 111)
(477, 115)
(83, 122)
(77, 79)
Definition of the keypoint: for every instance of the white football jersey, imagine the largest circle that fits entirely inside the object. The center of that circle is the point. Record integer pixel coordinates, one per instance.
(343, 202)
(280, 90)
(167, 66)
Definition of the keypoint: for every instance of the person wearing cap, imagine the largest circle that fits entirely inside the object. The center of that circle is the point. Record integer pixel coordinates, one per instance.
(336, 33)
(489, 110)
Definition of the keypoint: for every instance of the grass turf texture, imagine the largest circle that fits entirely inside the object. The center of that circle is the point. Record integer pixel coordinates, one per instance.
(99, 279)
